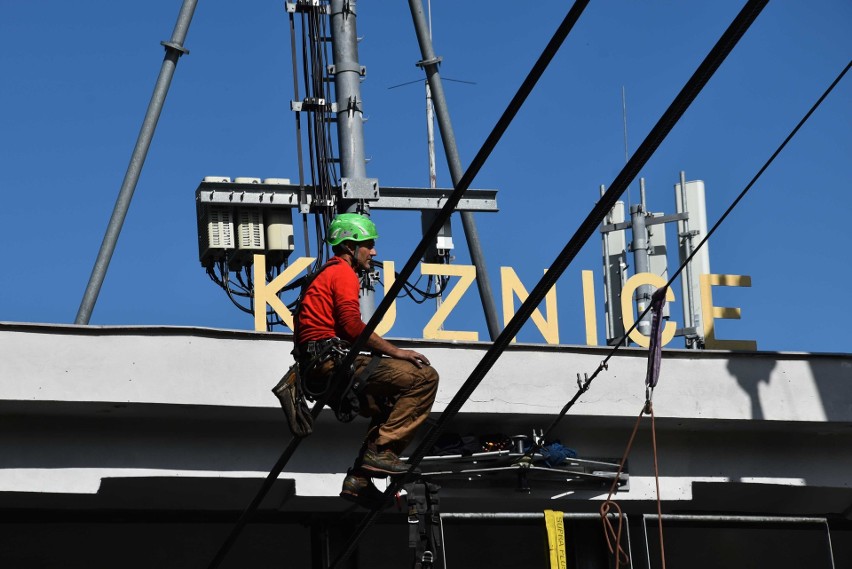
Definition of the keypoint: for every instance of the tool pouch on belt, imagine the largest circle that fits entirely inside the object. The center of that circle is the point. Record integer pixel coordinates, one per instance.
(292, 399)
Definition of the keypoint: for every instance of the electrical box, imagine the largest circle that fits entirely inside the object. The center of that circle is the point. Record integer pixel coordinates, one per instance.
(443, 243)
(280, 240)
(250, 234)
(279, 230)
(215, 233)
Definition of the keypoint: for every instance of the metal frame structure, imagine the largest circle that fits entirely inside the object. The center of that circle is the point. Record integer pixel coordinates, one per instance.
(289, 195)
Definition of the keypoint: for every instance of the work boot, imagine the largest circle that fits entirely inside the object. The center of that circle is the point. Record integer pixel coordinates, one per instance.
(360, 490)
(384, 462)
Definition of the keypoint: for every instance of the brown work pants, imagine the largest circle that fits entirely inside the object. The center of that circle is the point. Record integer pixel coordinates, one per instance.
(397, 399)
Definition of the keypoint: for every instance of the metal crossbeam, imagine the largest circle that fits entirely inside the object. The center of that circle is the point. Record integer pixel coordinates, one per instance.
(260, 194)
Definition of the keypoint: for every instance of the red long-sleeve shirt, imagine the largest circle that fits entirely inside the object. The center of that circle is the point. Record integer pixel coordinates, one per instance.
(330, 307)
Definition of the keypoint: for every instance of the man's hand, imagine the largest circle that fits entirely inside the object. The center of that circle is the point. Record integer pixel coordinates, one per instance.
(416, 358)
(376, 342)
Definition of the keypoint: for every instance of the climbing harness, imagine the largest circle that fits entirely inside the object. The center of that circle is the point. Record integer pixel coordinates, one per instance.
(424, 524)
(311, 386)
(312, 355)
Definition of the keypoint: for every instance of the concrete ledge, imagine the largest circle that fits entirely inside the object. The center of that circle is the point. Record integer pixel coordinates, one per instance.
(217, 368)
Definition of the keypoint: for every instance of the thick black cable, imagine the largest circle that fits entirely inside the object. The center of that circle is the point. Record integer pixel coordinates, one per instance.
(264, 489)
(603, 365)
(681, 102)
(428, 237)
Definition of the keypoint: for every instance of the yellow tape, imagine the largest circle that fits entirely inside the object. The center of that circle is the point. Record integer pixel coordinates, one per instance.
(554, 522)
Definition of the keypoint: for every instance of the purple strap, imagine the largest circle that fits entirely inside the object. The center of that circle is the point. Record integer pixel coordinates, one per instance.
(655, 350)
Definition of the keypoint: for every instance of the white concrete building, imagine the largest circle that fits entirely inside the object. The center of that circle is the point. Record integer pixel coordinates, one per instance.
(141, 446)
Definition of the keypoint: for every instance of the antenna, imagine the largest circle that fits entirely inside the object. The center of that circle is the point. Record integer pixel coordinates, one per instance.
(624, 120)
(439, 252)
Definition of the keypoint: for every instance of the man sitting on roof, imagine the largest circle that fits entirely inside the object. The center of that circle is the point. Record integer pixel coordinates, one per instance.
(401, 388)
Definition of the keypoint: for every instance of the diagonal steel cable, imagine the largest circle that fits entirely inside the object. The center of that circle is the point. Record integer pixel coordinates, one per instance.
(437, 223)
(685, 97)
(603, 365)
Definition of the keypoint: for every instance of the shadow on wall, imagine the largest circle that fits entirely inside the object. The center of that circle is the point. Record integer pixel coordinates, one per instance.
(750, 373)
(833, 379)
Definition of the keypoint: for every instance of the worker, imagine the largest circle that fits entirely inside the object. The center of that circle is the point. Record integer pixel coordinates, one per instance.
(400, 390)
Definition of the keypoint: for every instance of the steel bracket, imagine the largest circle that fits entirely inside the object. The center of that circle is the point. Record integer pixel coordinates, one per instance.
(307, 6)
(427, 62)
(347, 66)
(359, 188)
(313, 104)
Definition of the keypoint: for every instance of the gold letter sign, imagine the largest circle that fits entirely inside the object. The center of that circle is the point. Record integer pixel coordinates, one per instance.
(710, 312)
(268, 293)
(549, 327)
(467, 274)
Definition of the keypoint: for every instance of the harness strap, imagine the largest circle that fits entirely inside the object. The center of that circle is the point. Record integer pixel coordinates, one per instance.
(424, 519)
(359, 382)
(313, 354)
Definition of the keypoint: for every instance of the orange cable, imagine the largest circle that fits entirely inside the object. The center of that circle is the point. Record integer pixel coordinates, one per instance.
(650, 409)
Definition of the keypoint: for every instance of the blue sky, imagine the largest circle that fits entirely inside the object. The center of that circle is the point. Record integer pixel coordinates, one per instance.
(77, 78)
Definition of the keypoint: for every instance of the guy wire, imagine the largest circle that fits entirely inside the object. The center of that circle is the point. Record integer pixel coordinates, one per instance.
(696, 82)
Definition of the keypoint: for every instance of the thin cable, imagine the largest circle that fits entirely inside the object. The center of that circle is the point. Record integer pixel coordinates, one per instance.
(298, 123)
(682, 101)
(613, 535)
(603, 365)
(650, 407)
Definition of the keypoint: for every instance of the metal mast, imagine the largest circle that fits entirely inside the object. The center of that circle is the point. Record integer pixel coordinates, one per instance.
(350, 125)
(429, 63)
(174, 49)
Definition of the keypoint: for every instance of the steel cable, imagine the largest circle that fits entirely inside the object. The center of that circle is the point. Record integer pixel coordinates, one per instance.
(696, 82)
(437, 223)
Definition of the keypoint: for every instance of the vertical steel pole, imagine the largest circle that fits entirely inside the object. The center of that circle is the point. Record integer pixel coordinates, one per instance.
(693, 320)
(350, 121)
(641, 263)
(174, 49)
(347, 87)
(430, 66)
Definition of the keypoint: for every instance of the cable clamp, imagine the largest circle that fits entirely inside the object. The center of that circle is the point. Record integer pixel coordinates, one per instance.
(580, 383)
(353, 105)
(427, 62)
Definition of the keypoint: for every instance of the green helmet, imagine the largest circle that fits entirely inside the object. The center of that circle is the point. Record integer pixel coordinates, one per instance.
(351, 227)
